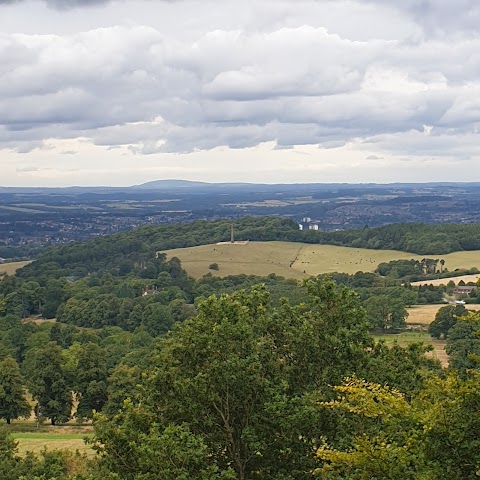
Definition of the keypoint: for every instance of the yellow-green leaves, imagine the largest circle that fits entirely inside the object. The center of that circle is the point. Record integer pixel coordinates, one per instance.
(369, 399)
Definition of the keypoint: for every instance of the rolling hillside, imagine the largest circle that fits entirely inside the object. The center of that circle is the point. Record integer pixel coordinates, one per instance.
(296, 260)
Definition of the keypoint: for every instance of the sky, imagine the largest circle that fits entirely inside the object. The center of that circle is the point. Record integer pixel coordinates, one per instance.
(121, 92)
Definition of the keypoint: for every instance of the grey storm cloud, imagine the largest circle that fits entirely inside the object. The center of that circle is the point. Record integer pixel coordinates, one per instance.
(62, 4)
(279, 81)
(439, 16)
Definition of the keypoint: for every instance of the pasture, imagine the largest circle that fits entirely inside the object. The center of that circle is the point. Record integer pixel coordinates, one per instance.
(297, 260)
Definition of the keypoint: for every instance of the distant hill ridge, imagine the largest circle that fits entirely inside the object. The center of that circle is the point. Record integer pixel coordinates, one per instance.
(179, 184)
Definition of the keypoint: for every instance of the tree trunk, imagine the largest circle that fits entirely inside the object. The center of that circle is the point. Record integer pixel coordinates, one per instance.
(8, 421)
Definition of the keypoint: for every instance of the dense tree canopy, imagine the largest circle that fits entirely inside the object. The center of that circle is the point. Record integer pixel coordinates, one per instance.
(242, 379)
(226, 379)
(386, 312)
(463, 343)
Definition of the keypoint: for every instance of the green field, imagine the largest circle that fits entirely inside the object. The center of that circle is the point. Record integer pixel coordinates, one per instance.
(35, 442)
(405, 338)
(297, 260)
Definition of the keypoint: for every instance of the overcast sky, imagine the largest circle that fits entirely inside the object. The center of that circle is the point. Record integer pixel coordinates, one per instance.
(99, 92)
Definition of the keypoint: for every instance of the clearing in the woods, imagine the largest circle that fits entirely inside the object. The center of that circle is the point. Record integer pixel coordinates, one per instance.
(53, 438)
(10, 268)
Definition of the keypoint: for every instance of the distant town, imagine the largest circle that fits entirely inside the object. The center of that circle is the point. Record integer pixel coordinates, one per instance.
(32, 218)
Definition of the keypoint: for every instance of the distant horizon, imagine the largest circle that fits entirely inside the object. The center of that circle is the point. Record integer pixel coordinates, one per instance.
(182, 180)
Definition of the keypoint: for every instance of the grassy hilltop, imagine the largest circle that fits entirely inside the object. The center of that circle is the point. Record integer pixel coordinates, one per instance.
(295, 260)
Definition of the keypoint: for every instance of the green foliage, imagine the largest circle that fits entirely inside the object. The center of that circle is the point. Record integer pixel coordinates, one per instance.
(50, 465)
(135, 252)
(239, 376)
(122, 384)
(405, 369)
(401, 268)
(433, 436)
(13, 403)
(445, 319)
(91, 380)
(388, 313)
(47, 382)
(233, 387)
(463, 343)
(169, 453)
(409, 237)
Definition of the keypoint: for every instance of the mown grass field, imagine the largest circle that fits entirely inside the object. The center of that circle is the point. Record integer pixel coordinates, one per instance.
(61, 438)
(11, 267)
(35, 443)
(404, 338)
(297, 260)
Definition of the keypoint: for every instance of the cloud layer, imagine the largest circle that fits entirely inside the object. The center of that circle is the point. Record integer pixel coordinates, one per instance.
(375, 76)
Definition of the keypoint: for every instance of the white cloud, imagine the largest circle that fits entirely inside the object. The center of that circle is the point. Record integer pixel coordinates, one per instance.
(164, 79)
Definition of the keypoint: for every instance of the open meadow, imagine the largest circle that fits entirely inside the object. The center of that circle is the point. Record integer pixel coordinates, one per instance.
(63, 438)
(29, 438)
(10, 268)
(297, 260)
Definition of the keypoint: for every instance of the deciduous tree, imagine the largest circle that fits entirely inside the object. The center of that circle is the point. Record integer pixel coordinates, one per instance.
(47, 382)
(386, 312)
(13, 403)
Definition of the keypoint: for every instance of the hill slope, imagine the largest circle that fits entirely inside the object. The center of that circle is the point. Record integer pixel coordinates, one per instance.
(296, 260)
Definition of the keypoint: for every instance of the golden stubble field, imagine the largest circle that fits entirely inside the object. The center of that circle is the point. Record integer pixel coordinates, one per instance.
(444, 281)
(297, 260)
(425, 314)
(11, 267)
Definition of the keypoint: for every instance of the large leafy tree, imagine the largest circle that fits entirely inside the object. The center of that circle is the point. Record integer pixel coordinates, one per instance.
(241, 376)
(91, 379)
(445, 319)
(122, 384)
(47, 381)
(463, 343)
(13, 403)
(386, 312)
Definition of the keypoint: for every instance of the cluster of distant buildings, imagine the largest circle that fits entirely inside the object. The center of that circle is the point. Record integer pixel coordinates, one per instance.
(308, 224)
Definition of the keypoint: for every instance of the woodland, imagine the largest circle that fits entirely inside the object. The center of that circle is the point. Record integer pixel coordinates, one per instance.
(240, 377)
